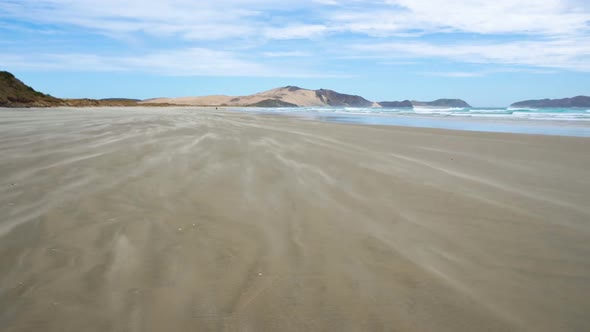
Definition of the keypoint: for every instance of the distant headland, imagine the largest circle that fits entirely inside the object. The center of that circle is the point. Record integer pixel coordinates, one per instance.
(578, 101)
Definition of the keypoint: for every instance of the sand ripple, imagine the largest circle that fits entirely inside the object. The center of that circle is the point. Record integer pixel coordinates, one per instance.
(192, 219)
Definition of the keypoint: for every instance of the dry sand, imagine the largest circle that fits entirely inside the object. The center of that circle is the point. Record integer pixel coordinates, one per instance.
(196, 220)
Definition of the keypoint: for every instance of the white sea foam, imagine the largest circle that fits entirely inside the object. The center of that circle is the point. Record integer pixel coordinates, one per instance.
(521, 108)
(435, 109)
(496, 113)
(489, 110)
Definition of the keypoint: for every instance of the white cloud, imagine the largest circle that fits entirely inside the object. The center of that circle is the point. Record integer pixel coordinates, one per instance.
(183, 62)
(480, 73)
(541, 33)
(232, 18)
(288, 54)
(562, 54)
(546, 17)
(458, 74)
(296, 32)
(195, 20)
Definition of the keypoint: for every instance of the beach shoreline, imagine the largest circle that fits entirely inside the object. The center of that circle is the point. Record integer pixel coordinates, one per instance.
(171, 219)
(529, 126)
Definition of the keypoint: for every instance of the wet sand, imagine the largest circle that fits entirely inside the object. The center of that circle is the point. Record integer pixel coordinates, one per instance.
(184, 220)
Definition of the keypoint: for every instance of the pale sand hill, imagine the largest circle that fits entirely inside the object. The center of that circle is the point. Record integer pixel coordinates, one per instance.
(182, 220)
(301, 97)
(213, 100)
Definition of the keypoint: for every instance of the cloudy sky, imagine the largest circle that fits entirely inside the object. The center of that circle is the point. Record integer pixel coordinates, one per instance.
(489, 53)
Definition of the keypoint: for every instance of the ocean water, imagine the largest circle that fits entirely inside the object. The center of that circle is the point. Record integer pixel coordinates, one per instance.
(546, 121)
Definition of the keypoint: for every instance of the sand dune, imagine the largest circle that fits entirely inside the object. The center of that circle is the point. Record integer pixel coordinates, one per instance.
(196, 220)
(213, 100)
(301, 97)
(289, 94)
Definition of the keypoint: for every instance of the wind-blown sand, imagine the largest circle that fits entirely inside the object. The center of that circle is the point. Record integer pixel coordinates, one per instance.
(196, 220)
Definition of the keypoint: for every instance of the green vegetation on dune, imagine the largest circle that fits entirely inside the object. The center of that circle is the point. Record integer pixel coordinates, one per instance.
(13, 92)
(396, 104)
(445, 102)
(333, 98)
(272, 103)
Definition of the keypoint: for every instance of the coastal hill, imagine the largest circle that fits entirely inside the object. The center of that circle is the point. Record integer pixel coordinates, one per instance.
(578, 101)
(292, 96)
(14, 93)
(396, 104)
(288, 96)
(441, 103)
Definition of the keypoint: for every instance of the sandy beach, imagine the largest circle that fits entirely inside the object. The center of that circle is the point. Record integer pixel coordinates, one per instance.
(204, 220)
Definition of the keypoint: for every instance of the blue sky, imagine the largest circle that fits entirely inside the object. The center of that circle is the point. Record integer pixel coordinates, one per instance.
(490, 53)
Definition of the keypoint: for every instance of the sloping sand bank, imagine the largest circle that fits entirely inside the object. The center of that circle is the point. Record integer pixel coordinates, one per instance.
(196, 220)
